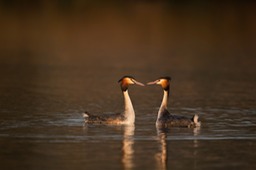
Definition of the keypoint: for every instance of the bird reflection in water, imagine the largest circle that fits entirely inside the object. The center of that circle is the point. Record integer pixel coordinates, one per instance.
(162, 156)
(127, 149)
(196, 132)
(196, 145)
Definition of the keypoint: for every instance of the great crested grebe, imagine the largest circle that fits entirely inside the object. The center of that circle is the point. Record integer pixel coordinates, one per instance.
(127, 117)
(166, 119)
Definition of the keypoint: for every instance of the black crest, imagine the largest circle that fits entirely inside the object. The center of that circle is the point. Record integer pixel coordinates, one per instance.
(167, 86)
(125, 77)
(124, 85)
(166, 77)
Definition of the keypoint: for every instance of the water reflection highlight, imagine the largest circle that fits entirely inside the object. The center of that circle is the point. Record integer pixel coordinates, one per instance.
(162, 156)
(128, 150)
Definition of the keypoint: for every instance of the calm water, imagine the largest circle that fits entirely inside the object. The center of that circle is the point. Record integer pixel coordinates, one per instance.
(48, 79)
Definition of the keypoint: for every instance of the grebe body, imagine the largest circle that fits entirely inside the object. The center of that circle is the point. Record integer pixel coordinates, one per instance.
(166, 119)
(126, 117)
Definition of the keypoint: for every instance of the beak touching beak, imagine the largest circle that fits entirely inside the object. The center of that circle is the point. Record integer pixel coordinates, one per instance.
(152, 82)
(138, 83)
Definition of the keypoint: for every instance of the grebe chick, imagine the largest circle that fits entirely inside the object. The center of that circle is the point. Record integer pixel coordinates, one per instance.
(166, 119)
(127, 117)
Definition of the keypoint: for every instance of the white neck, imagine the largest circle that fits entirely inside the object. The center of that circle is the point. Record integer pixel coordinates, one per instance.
(129, 113)
(163, 104)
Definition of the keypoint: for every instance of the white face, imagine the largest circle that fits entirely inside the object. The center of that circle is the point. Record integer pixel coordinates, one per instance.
(161, 81)
(132, 81)
(164, 83)
(128, 81)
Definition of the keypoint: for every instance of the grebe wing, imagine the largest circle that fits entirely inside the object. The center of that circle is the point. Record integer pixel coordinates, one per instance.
(109, 118)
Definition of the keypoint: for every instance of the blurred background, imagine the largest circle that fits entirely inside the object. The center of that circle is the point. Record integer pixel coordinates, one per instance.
(184, 34)
(97, 42)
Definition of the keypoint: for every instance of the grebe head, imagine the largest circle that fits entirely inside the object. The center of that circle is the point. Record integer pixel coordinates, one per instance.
(127, 80)
(163, 81)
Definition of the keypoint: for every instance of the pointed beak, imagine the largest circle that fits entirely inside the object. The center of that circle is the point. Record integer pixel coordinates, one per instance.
(152, 82)
(138, 83)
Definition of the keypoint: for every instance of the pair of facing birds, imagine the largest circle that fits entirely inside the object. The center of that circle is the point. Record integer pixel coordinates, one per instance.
(164, 118)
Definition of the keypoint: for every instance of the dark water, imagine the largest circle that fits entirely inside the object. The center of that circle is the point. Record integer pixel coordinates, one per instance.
(55, 65)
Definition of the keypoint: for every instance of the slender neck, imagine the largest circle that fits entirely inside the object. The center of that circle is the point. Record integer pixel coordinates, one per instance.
(163, 104)
(129, 113)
